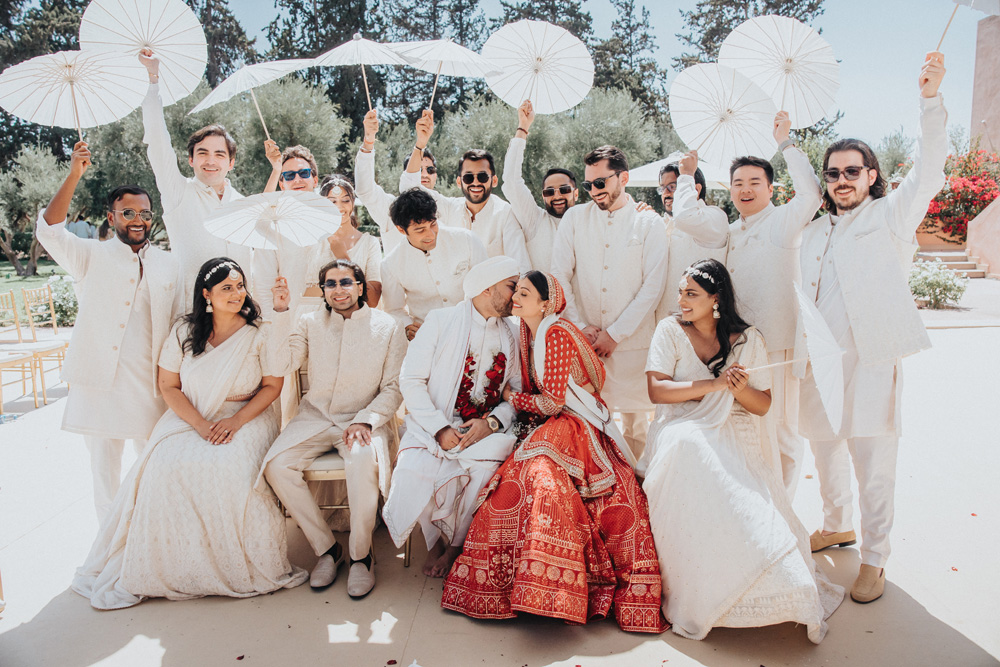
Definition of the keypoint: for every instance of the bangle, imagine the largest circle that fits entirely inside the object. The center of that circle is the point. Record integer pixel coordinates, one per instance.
(521, 129)
(418, 148)
(785, 144)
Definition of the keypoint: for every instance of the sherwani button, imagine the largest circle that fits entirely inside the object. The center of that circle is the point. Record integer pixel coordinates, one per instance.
(814, 283)
(604, 289)
(131, 280)
(607, 245)
(128, 303)
(114, 347)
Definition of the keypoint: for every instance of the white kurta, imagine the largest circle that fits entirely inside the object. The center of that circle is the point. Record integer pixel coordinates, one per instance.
(415, 282)
(186, 202)
(495, 225)
(439, 487)
(612, 266)
(375, 199)
(539, 226)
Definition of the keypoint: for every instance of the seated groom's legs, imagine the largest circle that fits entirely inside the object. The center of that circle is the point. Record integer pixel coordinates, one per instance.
(410, 495)
(480, 474)
(284, 474)
(635, 427)
(361, 469)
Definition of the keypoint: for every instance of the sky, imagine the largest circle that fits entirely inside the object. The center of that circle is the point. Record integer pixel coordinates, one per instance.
(881, 45)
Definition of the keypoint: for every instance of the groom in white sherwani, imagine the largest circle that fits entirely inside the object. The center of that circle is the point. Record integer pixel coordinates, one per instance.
(353, 354)
(457, 426)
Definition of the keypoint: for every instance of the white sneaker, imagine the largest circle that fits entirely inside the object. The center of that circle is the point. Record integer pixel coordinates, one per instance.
(361, 579)
(325, 571)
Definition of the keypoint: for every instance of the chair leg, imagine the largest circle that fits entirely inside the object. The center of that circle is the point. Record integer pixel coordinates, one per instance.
(406, 551)
(34, 387)
(41, 375)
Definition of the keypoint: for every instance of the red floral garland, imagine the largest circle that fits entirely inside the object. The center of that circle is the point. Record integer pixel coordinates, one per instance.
(468, 408)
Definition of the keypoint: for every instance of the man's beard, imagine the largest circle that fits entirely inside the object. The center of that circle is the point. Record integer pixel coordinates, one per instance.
(557, 214)
(487, 191)
(124, 238)
(613, 196)
(504, 307)
(855, 199)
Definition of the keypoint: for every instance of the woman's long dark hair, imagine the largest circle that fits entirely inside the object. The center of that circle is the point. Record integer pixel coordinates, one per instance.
(211, 273)
(729, 322)
(540, 282)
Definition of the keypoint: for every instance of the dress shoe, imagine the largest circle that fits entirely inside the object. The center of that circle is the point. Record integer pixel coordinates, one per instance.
(869, 585)
(325, 572)
(818, 541)
(361, 578)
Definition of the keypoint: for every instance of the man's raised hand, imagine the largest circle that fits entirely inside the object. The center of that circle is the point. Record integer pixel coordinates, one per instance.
(931, 74)
(525, 116)
(688, 163)
(281, 297)
(371, 127)
(782, 126)
(273, 153)
(425, 128)
(80, 161)
(151, 63)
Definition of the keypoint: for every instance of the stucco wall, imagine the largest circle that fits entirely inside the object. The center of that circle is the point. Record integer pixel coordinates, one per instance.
(984, 237)
(986, 86)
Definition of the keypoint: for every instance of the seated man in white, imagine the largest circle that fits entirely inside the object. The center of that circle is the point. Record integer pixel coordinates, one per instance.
(426, 271)
(353, 354)
(456, 429)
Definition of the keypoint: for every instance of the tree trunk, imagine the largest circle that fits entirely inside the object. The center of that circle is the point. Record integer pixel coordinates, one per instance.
(34, 253)
(8, 250)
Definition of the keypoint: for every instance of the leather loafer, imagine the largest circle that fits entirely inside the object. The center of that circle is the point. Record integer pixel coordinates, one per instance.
(361, 578)
(869, 585)
(325, 571)
(818, 541)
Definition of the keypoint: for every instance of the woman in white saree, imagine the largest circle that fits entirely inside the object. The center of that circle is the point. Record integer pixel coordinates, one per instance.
(187, 521)
(732, 552)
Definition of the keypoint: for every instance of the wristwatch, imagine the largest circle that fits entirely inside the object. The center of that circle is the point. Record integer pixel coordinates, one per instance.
(494, 423)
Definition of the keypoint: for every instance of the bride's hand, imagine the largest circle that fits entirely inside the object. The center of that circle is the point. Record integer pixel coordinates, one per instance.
(506, 393)
(736, 378)
(204, 429)
(224, 430)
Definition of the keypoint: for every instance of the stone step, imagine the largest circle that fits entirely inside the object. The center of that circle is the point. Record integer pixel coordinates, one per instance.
(943, 255)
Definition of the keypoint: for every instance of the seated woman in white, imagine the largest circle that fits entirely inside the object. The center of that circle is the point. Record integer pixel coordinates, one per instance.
(187, 521)
(732, 552)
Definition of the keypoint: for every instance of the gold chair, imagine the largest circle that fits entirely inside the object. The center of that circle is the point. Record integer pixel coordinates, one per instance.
(18, 362)
(9, 319)
(40, 309)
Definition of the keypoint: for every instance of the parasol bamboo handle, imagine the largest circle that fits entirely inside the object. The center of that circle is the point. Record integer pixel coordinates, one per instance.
(76, 112)
(941, 41)
(436, 77)
(364, 75)
(788, 363)
(260, 115)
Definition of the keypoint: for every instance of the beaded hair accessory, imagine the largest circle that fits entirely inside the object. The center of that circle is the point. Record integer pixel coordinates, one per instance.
(234, 272)
(700, 274)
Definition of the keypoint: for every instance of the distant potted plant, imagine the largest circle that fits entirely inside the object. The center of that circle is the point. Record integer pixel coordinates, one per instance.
(972, 185)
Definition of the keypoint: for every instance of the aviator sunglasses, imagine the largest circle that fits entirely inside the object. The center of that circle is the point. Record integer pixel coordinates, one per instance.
(563, 190)
(304, 174)
(129, 214)
(599, 183)
(469, 178)
(850, 173)
(346, 283)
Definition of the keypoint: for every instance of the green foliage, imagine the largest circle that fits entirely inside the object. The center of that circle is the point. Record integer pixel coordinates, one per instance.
(937, 284)
(894, 152)
(228, 44)
(568, 14)
(64, 300)
(27, 187)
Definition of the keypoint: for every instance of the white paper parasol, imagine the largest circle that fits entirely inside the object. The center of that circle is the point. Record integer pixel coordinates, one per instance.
(990, 7)
(168, 27)
(648, 175)
(74, 89)
(248, 77)
(443, 57)
(541, 62)
(790, 61)
(361, 51)
(722, 114)
(268, 219)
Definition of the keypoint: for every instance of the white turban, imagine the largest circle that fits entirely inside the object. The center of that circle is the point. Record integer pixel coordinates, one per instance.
(488, 273)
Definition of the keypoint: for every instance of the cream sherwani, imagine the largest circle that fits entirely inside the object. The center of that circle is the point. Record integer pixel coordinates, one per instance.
(375, 200)
(495, 225)
(856, 265)
(763, 261)
(612, 266)
(539, 226)
(353, 367)
(415, 282)
(431, 486)
(186, 202)
(127, 304)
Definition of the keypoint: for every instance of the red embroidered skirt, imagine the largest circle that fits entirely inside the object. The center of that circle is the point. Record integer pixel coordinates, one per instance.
(537, 546)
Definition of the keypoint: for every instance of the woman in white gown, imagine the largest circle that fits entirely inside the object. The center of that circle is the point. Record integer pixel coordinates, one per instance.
(732, 552)
(187, 521)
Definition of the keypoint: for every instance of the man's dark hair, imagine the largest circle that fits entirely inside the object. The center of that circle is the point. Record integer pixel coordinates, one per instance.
(559, 170)
(675, 169)
(475, 155)
(213, 130)
(359, 277)
(412, 206)
(614, 156)
(877, 189)
(427, 154)
(123, 190)
(751, 161)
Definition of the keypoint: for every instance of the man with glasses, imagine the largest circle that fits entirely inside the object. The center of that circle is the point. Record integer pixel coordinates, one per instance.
(489, 217)
(612, 261)
(763, 260)
(187, 202)
(129, 296)
(349, 406)
(855, 264)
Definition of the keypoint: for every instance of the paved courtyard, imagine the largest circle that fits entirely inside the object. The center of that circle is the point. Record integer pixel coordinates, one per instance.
(939, 607)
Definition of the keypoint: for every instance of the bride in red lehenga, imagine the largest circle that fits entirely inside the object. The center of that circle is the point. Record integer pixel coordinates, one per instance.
(562, 529)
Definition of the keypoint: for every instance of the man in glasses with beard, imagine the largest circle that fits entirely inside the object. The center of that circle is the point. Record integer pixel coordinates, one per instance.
(612, 261)
(127, 290)
(489, 217)
(855, 264)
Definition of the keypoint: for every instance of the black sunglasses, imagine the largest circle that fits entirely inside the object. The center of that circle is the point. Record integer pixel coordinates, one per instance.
(667, 188)
(346, 283)
(599, 183)
(431, 169)
(304, 174)
(850, 173)
(129, 214)
(563, 190)
(482, 177)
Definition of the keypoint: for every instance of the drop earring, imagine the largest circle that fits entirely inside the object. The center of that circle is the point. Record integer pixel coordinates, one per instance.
(209, 309)
(715, 310)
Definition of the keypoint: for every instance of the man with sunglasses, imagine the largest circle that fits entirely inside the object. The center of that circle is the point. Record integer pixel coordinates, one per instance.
(489, 217)
(612, 261)
(129, 296)
(187, 202)
(559, 193)
(353, 354)
(855, 264)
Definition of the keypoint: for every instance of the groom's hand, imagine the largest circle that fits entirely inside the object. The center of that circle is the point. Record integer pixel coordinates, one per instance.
(478, 429)
(448, 438)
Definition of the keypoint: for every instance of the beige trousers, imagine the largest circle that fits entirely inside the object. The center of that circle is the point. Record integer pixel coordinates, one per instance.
(635, 427)
(106, 467)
